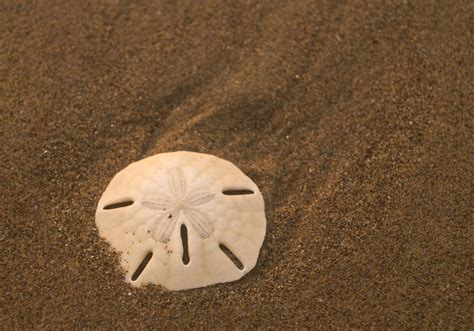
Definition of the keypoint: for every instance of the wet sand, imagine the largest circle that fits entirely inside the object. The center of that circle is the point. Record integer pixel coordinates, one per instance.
(355, 120)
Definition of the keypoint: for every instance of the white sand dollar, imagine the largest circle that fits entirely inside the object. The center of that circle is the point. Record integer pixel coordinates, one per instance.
(183, 220)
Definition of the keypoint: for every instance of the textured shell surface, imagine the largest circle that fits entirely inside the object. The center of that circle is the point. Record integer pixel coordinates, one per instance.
(183, 220)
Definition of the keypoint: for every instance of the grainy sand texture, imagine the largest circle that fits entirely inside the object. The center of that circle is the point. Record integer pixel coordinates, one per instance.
(355, 119)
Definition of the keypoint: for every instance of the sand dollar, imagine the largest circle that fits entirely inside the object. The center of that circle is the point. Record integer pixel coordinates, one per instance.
(183, 220)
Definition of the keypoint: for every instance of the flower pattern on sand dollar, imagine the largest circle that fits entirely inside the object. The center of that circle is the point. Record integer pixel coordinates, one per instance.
(176, 202)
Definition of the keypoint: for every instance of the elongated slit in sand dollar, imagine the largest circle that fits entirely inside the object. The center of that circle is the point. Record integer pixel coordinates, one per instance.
(170, 214)
(121, 204)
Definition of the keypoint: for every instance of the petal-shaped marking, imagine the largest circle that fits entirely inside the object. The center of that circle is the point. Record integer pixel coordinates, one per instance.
(177, 183)
(199, 198)
(198, 220)
(168, 221)
(162, 202)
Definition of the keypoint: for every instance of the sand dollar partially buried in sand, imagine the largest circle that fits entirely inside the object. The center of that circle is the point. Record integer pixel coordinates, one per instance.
(183, 220)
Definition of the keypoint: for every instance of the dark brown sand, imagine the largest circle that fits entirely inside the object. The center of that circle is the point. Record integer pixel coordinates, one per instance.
(355, 119)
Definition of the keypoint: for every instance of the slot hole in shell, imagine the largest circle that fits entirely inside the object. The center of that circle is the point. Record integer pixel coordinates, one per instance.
(235, 260)
(142, 266)
(184, 240)
(117, 205)
(237, 192)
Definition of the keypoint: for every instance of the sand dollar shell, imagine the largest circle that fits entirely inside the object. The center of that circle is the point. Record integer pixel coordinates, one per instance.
(183, 220)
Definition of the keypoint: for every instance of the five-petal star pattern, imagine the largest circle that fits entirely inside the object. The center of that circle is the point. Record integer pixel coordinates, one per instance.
(171, 205)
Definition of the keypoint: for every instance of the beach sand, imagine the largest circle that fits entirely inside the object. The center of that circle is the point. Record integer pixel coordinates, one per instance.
(354, 119)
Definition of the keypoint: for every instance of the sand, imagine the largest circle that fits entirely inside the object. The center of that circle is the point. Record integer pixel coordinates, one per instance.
(354, 118)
